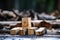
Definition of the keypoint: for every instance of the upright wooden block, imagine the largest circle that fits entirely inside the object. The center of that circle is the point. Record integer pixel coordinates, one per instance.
(26, 23)
(21, 32)
(30, 31)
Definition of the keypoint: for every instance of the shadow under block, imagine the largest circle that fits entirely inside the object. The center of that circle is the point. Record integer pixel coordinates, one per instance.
(30, 31)
(26, 23)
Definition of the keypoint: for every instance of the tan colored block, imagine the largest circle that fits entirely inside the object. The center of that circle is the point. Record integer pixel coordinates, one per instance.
(39, 33)
(15, 30)
(26, 23)
(21, 32)
(30, 31)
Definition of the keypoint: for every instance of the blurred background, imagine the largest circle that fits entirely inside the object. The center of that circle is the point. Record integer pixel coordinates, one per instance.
(36, 9)
(37, 5)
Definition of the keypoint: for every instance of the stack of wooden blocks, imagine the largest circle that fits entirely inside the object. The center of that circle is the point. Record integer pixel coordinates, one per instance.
(26, 24)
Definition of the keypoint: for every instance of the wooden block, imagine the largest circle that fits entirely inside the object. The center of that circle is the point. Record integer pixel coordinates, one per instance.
(26, 23)
(30, 31)
(39, 33)
(15, 30)
(21, 32)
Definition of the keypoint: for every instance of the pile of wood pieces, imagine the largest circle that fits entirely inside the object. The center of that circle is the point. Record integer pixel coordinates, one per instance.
(27, 29)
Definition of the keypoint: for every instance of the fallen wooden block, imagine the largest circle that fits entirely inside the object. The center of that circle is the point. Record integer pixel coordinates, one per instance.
(15, 30)
(40, 31)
